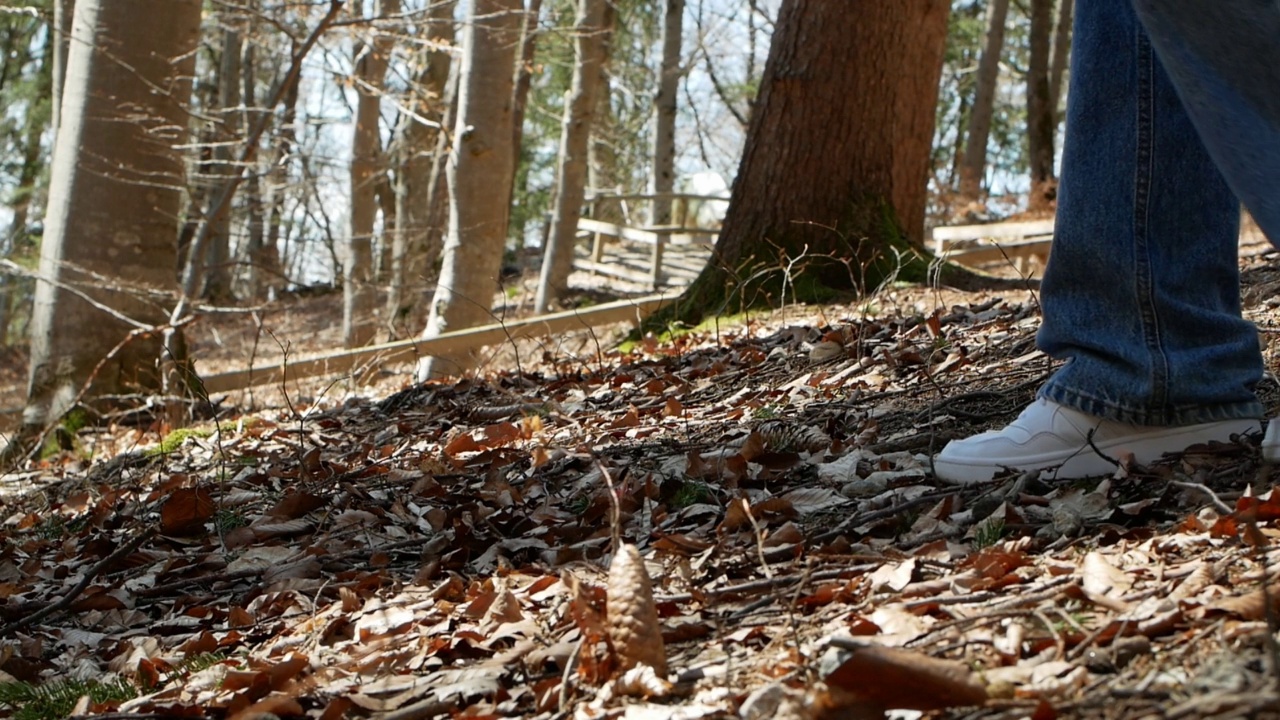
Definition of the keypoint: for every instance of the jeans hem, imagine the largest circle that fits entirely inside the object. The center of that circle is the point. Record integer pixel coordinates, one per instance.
(1164, 417)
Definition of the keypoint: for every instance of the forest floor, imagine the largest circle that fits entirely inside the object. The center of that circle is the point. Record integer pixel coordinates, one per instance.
(443, 550)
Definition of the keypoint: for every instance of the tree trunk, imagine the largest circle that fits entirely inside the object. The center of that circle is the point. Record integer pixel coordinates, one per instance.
(358, 322)
(524, 73)
(974, 166)
(63, 11)
(226, 134)
(421, 151)
(1061, 54)
(663, 177)
(255, 257)
(590, 50)
(111, 222)
(832, 183)
(481, 160)
(1041, 116)
(602, 156)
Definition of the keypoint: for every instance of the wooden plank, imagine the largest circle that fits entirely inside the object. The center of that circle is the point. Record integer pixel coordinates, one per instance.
(646, 235)
(980, 254)
(619, 231)
(406, 350)
(993, 230)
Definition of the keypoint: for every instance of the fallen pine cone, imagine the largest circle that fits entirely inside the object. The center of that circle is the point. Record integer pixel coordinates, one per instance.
(632, 616)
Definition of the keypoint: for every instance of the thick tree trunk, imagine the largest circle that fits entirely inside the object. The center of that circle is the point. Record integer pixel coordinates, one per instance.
(1061, 54)
(111, 222)
(481, 160)
(663, 177)
(1041, 116)
(358, 321)
(590, 50)
(974, 165)
(832, 183)
(421, 150)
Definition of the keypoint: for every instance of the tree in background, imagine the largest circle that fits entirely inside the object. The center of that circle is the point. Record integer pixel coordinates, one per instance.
(591, 33)
(421, 151)
(833, 179)
(108, 255)
(662, 177)
(1042, 116)
(480, 169)
(974, 164)
(366, 171)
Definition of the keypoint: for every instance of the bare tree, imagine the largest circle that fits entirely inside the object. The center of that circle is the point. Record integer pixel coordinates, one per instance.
(974, 164)
(366, 165)
(421, 151)
(1041, 115)
(1061, 53)
(663, 178)
(590, 50)
(106, 264)
(480, 170)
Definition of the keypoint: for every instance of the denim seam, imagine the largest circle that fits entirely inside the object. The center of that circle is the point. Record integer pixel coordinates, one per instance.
(1144, 65)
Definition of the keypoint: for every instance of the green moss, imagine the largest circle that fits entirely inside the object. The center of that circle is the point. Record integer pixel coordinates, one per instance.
(174, 440)
(691, 492)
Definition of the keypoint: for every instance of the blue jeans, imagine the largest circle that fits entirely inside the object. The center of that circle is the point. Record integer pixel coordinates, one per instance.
(1173, 119)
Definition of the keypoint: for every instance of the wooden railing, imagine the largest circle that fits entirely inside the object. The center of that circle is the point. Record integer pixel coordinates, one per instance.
(657, 237)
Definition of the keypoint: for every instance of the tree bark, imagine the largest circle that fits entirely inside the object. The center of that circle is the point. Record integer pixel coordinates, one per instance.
(1061, 54)
(1041, 116)
(481, 160)
(421, 149)
(358, 322)
(114, 196)
(832, 184)
(663, 177)
(63, 11)
(974, 166)
(590, 50)
(226, 134)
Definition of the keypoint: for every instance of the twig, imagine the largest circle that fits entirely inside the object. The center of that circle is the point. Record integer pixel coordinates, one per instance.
(1221, 506)
(106, 562)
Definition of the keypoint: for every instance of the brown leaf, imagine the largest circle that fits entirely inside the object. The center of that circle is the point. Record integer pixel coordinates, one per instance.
(186, 511)
(903, 679)
(632, 615)
(295, 505)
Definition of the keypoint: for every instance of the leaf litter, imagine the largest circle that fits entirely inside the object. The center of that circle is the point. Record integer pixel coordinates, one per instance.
(736, 523)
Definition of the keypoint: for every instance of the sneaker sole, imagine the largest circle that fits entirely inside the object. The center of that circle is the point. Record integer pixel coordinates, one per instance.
(1084, 462)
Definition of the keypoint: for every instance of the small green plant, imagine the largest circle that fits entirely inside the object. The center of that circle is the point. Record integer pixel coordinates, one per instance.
(51, 528)
(174, 440)
(691, 492)
(578, 504)
(767, 412)
(56, 699)
(227, 520)
(988, 533)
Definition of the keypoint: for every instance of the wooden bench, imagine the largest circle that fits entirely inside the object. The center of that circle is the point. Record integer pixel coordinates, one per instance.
(975, 245)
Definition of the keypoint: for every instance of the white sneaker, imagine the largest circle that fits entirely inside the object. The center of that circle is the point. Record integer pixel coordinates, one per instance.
(1049, 435)
(1271, 442)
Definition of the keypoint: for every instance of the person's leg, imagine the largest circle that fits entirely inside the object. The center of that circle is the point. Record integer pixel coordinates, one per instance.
(1224, 59)
(1141, 291)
